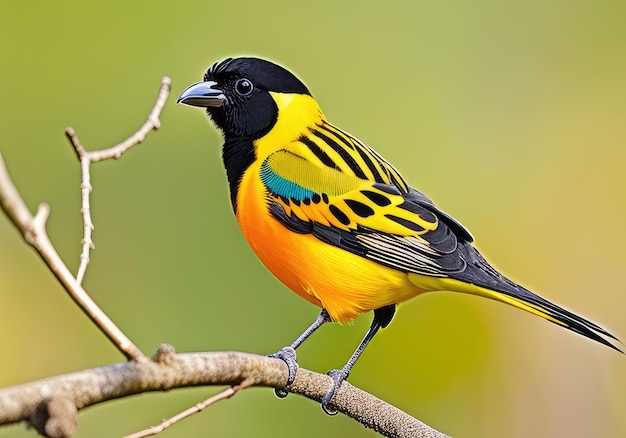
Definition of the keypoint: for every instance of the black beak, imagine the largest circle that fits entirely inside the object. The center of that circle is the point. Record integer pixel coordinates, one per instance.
(202, 94)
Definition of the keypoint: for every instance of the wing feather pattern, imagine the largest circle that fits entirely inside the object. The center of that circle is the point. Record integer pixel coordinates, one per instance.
(375, 220)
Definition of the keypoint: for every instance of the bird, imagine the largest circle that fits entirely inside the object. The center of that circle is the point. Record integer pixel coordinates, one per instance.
(333, 220)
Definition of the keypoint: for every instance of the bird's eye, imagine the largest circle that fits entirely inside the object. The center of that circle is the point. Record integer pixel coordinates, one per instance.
(243, 87)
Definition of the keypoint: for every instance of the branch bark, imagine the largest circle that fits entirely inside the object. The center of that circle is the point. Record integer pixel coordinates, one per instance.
(168, 370)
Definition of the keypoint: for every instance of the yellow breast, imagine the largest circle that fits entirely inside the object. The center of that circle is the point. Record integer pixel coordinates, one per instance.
(341, 282)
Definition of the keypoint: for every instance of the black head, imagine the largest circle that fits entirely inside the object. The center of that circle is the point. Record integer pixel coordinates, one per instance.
(235, 93)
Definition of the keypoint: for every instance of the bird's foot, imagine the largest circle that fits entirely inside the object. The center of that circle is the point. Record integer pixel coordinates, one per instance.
(287, 355)
(338, 377)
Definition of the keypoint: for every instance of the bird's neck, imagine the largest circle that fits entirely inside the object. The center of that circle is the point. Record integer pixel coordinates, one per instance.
(238, 154)
(296, 114)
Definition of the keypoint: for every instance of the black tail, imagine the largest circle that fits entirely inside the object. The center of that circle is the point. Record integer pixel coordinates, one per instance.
(500, 288)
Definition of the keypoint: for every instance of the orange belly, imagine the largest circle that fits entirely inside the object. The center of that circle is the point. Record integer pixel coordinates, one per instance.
(341, 282)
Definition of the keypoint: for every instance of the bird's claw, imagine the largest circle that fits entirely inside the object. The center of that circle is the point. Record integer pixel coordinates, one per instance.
(287, 355)
(338, 377)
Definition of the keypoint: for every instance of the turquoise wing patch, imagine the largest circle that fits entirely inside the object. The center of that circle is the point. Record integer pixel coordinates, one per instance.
(281, 186)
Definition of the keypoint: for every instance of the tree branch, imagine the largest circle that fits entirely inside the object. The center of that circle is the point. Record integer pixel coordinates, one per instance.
(115, 152)
(33, 230)
(169, 370)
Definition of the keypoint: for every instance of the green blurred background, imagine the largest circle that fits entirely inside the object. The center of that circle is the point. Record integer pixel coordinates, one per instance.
(511, 115)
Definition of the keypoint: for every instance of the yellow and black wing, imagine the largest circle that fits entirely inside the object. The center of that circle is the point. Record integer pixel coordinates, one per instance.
(375, 220)
(382, 219)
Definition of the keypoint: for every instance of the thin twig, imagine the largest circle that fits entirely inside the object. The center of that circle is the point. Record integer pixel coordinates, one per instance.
(198, 407)
(114, 152)
(33, 230)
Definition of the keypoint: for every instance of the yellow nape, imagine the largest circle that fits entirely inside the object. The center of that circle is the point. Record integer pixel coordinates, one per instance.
(452, 285)
(296, 112)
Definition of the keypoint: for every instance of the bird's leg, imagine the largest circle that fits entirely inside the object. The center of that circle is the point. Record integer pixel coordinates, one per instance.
(382, 318)
(288, 354)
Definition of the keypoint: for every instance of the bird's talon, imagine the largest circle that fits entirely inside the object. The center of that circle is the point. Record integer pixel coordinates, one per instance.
(287, 355)
(338, 377)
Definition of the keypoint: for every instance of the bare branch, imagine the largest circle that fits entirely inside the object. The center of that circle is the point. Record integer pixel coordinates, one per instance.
(33, 230)
(169, 370)
(13, 204)
(115, 152)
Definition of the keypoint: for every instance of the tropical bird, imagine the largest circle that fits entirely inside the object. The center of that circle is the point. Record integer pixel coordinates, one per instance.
(332, 219)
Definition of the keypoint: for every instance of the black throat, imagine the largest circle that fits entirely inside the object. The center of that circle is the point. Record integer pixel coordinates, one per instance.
(237, 154)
